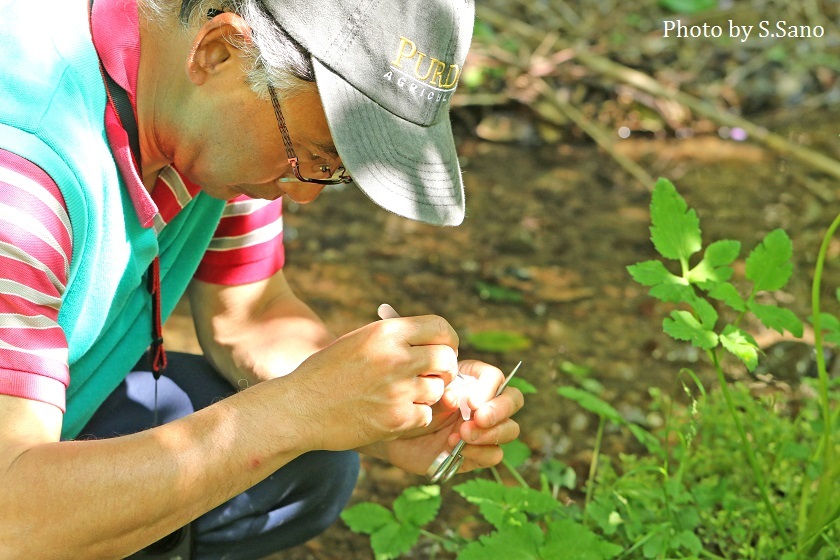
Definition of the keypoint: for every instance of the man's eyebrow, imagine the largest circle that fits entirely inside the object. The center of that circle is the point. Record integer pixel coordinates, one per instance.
(327, 149)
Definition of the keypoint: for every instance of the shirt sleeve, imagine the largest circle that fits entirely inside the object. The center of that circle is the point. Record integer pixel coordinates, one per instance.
(248, 243)
(35, 251)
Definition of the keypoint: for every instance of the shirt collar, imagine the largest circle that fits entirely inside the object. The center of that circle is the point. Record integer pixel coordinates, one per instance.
(115, 27)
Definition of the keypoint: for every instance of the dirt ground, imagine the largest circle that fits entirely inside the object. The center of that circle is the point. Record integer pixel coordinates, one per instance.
(559, 223)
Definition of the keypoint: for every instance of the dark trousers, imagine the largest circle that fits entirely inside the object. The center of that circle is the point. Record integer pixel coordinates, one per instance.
(291, 506)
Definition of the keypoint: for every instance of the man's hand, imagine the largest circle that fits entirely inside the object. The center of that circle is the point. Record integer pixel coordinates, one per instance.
(490, 426)
(376, 383)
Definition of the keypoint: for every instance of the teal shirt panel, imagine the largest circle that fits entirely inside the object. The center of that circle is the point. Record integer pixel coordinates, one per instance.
(52, 106)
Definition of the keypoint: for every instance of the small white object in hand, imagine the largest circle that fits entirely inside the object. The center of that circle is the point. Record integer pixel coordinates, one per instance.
(463, 385)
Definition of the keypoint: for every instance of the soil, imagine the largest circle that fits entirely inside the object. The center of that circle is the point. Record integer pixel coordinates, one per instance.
(559, 223)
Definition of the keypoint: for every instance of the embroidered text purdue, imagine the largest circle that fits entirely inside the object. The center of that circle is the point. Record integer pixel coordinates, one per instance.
(437, 73)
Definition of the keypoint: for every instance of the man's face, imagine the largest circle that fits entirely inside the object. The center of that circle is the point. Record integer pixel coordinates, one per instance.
(238, 148)
(223, 136)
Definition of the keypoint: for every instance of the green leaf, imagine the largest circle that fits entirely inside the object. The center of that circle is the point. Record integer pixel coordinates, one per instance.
(571, 540)
(524, 387)
(493, 292)
(676, 229)
(714, 268)
(706, 312)
(688, 6)
(502, 506)
(498, 341)
(768, 265)
(559, 474)
(740, 344)
(793, 450)
(602, 408)
(830, 326)
(516, 453)
(391, 541)
(591, 403)
(689, 541)
(418, 505)
(511, 543)
(777, 318)
(727, 293)
(651, 273)
(673, 293)
(656, 544)
(366, 517)
(573, 369)
(681, 325)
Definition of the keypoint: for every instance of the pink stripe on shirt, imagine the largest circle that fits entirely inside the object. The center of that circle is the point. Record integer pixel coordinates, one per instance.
(35, 247)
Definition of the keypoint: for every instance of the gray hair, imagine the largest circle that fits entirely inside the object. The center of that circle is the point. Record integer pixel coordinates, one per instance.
(275, 57)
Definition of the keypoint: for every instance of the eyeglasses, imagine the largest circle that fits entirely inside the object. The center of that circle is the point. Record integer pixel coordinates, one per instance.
(290, 152)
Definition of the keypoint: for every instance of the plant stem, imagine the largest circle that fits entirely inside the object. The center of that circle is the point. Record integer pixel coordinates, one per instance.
(593, 467)
(745, 445)
(515, 474)
(496, 476)
(435, 537)
(808, 524)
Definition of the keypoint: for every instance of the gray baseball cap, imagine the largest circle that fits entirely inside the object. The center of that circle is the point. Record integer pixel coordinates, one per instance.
(386, 71)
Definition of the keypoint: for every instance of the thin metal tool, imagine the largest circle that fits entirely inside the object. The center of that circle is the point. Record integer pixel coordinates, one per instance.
(446, 464)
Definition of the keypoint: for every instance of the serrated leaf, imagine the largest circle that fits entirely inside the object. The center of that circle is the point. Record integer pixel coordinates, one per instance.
(681, 325)
(498, 341)
(417, 505)
(366, 517)
(391, 541)
(571, 540)
(524, 386)
(512, 542)
(706, 312)
(673, 293)
(516, 453)
(503, 506)
(777, 318)
(559, 473)
(714, 268)
(768, 265)
(651, 273)
(722, 253)
(728, 294)
(741, 345)
(676, 228)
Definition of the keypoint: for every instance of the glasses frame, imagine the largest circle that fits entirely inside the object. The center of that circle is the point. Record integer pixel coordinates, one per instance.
(290, 151)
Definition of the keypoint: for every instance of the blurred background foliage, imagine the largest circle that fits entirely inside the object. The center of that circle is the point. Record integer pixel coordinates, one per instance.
(551, 71)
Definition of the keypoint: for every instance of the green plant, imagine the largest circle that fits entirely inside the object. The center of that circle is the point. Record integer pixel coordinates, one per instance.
(769, 491)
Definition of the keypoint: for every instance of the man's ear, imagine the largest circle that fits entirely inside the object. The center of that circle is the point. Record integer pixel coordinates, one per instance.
(213, 50)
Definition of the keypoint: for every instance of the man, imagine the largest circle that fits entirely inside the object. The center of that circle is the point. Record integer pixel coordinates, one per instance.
(125, 126)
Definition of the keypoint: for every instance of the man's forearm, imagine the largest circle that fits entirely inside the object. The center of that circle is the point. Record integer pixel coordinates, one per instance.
(109, 498)
(270, 346)
(255, 332)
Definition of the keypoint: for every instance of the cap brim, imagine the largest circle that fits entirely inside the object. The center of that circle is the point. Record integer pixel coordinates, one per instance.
(408, 169)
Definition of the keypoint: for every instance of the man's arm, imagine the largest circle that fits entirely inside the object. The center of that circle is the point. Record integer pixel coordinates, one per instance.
(253, 332)
(108, 498)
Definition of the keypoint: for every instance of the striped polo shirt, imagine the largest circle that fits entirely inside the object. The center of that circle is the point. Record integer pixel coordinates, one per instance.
(36, 233)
